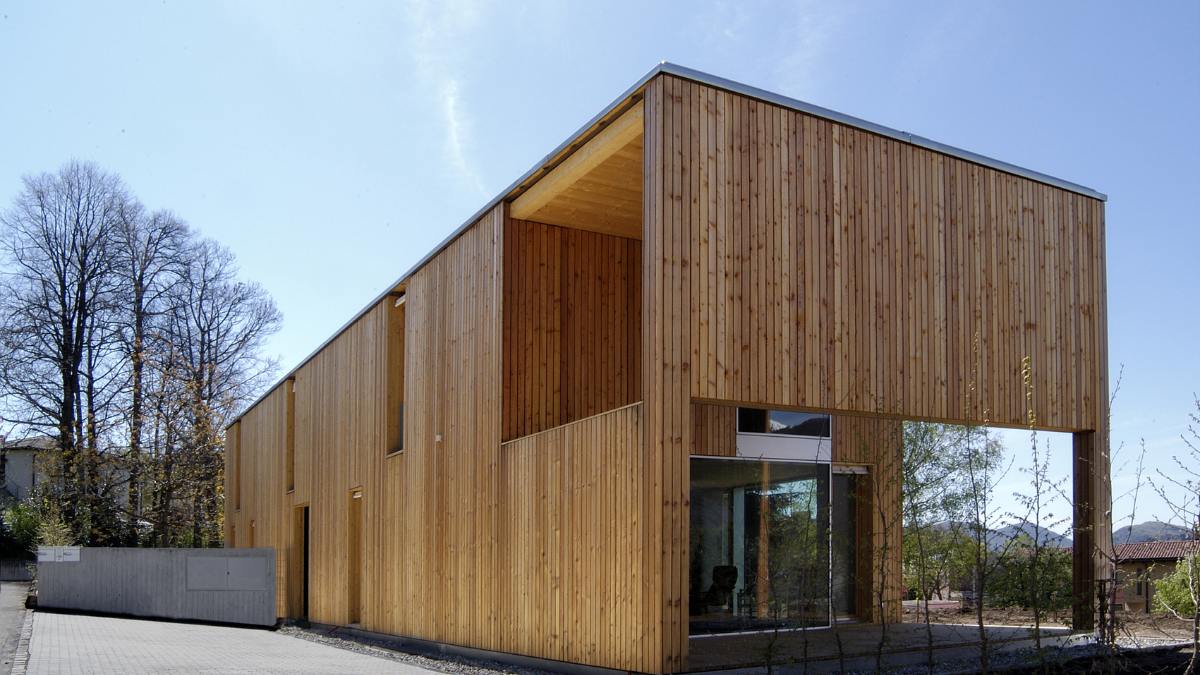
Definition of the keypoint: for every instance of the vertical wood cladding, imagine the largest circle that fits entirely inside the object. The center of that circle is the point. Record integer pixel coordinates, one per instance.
(876, 443)
(666, 330)
(260, 441)
(832, 268)
(572, 541)
(532, 549)
(572, 332)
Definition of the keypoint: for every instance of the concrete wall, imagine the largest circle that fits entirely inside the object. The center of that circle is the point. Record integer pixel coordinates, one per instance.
(226, 585)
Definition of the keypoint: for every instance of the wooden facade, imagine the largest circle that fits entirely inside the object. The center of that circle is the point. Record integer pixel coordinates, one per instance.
(495, 453)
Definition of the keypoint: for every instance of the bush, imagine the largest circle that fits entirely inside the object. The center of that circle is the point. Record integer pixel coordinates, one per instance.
(22, 522)
(1177, 591)
(1017, 581)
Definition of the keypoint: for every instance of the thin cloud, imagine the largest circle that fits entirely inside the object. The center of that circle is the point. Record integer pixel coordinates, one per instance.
(441, 32)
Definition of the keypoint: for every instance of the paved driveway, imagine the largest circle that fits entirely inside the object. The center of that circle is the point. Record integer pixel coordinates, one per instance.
(12, 618)
(72, 643)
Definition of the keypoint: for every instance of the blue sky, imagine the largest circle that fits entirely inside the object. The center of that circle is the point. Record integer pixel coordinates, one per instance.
(331, 145)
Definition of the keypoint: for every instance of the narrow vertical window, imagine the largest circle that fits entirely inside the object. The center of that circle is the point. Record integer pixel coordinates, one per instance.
(289, 439)
(237, 466)
(394, 413)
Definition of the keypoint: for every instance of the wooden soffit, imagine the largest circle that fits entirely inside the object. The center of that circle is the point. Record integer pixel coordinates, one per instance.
(598, 187)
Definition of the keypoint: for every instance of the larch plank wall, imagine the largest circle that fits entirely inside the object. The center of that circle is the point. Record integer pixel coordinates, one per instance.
(339, 445)
(572, 332)
(533, 549)
(572, 539)
(799, 262)
(259, 440)
(876, 443)
(714, 430)
(808, 240)
(667, 426)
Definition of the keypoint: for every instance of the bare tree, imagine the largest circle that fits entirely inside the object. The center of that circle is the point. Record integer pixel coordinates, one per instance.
(216, 326)
(58, 282)
(130, 342)
(1179, 488)
(150, 263)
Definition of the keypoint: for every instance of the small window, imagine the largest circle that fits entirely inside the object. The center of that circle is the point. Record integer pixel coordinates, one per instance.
(289, 440)
(395, 375)
(756, 421)
(1140, 579)
(237, 465)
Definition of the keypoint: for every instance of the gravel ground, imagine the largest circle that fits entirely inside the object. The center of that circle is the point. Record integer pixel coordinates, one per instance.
(455, 665)
(1084, 657)
(1157, 655)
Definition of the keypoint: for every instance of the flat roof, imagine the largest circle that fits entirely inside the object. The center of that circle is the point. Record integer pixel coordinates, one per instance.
(713, 81)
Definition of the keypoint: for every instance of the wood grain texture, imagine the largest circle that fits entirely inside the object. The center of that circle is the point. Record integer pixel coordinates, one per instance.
(597, 187)
(260, 441)
(804, 241)
(878, 444)
(571, 535)
(714, 430)
(572, 341)
(525, 549)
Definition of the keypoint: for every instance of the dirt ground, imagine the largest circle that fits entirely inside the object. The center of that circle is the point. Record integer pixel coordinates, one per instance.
(1158, 626)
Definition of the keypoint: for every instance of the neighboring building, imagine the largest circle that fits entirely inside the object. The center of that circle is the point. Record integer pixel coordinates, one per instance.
(19, 471)
(1140, 565)
(634, 398)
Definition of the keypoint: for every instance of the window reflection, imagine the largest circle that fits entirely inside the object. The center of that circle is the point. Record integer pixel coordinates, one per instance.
(759, 545)
(756, 421)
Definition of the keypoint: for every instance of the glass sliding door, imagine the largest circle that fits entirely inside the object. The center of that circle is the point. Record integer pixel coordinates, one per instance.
(760, 556)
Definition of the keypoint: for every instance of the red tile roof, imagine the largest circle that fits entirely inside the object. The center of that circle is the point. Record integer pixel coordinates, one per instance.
(1157, 550)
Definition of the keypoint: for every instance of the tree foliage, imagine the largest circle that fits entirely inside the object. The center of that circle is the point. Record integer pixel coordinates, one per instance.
(1179, 591)
(129, 340)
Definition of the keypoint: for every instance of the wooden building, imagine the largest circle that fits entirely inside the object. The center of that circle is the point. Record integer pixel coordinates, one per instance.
(655, 388)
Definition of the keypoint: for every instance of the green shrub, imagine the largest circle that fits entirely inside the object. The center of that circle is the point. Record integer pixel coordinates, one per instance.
(1177, 591)
(23, 521)
(1017, 581)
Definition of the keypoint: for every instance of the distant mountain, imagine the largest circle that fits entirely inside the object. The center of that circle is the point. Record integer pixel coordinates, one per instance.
(1047, 537)
(999, 537)
(1150, 531)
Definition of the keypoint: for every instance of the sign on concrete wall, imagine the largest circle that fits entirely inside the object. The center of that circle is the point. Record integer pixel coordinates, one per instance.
(58, 554)
(226, 585)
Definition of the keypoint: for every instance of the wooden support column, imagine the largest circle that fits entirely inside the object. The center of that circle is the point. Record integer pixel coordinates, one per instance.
(1092, 551)
(667, 429)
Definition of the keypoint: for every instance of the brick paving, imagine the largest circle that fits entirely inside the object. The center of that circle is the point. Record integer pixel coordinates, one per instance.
(12, 618)
(73, 643)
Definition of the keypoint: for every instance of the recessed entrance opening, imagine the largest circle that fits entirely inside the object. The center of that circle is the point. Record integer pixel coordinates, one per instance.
(298, 574)
(354, 562)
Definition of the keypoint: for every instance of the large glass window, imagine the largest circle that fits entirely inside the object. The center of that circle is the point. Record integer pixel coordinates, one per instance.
(759, 545)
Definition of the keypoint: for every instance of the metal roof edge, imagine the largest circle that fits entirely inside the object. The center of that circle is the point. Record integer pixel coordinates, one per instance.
(835, 116)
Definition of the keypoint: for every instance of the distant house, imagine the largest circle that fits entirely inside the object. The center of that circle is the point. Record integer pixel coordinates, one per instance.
(18, 465)
(1140, 565)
